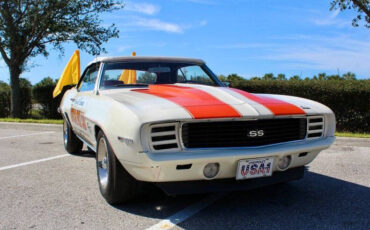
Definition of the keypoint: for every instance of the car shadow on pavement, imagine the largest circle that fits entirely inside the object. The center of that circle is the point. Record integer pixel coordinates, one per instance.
(85, 153)
(315, 202)
(154, 203)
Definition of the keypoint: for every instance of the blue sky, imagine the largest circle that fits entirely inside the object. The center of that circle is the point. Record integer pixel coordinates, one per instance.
(247, 37)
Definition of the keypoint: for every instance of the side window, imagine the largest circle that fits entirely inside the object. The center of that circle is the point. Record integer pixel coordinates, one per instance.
(88, 81)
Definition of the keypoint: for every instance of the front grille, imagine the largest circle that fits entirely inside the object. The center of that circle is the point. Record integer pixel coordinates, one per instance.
(243, 133)
(315, 127)
(164, 136)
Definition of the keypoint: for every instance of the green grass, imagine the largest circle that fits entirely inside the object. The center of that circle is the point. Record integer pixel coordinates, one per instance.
(35, 114)
(39, 121)
(348, 134)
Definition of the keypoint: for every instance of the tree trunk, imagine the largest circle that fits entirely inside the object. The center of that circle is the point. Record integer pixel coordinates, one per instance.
(16, 103)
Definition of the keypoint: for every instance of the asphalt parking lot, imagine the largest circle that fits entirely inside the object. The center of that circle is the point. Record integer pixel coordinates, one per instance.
(42, 187)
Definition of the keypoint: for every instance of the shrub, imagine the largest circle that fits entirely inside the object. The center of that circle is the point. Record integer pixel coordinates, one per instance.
(349, 99)
(43, 94)
(4, 99)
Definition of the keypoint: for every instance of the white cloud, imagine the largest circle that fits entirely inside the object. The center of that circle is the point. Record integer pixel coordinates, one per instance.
(331, 20)
(159, 25)
(324, 53)
(203, 23)
(144, 8)
(200, 1)
(124, 48)
(135, 23)
(243, 45)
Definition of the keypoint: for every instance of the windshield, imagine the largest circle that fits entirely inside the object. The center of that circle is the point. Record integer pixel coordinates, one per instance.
(144, 74)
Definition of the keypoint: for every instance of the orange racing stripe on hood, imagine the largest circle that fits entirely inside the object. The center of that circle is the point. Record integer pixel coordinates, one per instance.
(277, 107)
(199, 104)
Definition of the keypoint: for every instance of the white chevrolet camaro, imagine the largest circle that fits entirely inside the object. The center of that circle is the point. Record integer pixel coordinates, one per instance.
(176, 125)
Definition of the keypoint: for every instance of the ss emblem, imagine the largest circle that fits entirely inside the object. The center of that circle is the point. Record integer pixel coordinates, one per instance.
(256, 133)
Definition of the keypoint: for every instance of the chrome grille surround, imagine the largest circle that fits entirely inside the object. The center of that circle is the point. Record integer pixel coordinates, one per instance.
(167, 137)
(233, 133)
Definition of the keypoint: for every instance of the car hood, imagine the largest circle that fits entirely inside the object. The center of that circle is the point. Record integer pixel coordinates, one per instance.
(185, 101)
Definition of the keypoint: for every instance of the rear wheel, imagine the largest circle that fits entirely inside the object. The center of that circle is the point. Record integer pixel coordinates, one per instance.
(115, 184)
(72, 144)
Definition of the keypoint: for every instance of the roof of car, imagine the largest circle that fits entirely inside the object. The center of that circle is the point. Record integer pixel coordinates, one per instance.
(147, 59)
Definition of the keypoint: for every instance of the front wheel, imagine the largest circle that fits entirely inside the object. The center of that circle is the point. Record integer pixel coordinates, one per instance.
(115, 184)
(72, 144)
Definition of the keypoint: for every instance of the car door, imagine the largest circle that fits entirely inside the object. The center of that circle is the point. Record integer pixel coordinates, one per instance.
(83, 99)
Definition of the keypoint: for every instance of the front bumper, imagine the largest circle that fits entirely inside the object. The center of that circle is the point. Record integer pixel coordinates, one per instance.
(163, 167)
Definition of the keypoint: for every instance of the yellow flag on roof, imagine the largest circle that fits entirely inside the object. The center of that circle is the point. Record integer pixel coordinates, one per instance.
(71, 74)
(128, 76)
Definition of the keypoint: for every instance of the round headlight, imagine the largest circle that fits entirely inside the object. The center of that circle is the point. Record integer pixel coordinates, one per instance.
(211, 170)
(284, 162)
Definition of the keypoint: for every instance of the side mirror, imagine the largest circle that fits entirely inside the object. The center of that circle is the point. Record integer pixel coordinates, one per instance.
(226, 83)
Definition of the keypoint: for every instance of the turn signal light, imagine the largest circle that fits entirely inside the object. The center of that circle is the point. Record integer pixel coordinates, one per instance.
(284, 162)
(211, 170)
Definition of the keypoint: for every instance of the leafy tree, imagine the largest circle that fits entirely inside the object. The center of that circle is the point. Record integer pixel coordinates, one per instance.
(349, 76)
(28, 26)
(334, 77)
(146, 78)
(4, 99)
(281, 77)
(234, 77)
(3, 84)
(42, 92)
(269, 76)
(222, 78)
(322, 76)
(361, 6)
(295, 78)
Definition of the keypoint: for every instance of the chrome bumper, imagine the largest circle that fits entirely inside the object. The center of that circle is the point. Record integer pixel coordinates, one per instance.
(162, 167)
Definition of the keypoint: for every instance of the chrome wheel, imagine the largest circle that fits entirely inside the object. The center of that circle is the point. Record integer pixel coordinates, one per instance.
(102, 163)
(115, 184)
(65, 133)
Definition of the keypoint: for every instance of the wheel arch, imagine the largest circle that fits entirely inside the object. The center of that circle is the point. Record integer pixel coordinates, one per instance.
(66, 118)
(96, 131)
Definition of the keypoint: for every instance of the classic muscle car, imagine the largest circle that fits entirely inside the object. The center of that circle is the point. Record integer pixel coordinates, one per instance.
(171, 122)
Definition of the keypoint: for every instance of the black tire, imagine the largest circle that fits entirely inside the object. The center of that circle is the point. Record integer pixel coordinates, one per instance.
(72, 144)
(118, 186)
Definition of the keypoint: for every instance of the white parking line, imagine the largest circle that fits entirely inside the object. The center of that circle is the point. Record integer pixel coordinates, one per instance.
(33, 162)
(25, 135)
(186, 213)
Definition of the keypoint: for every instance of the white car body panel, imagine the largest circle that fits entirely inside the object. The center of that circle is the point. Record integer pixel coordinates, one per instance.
(126, 114)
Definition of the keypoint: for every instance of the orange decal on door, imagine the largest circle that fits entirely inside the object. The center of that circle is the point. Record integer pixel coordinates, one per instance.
(78, 118)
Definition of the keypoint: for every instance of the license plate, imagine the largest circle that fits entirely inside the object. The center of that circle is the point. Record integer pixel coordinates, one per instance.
(253, 168)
